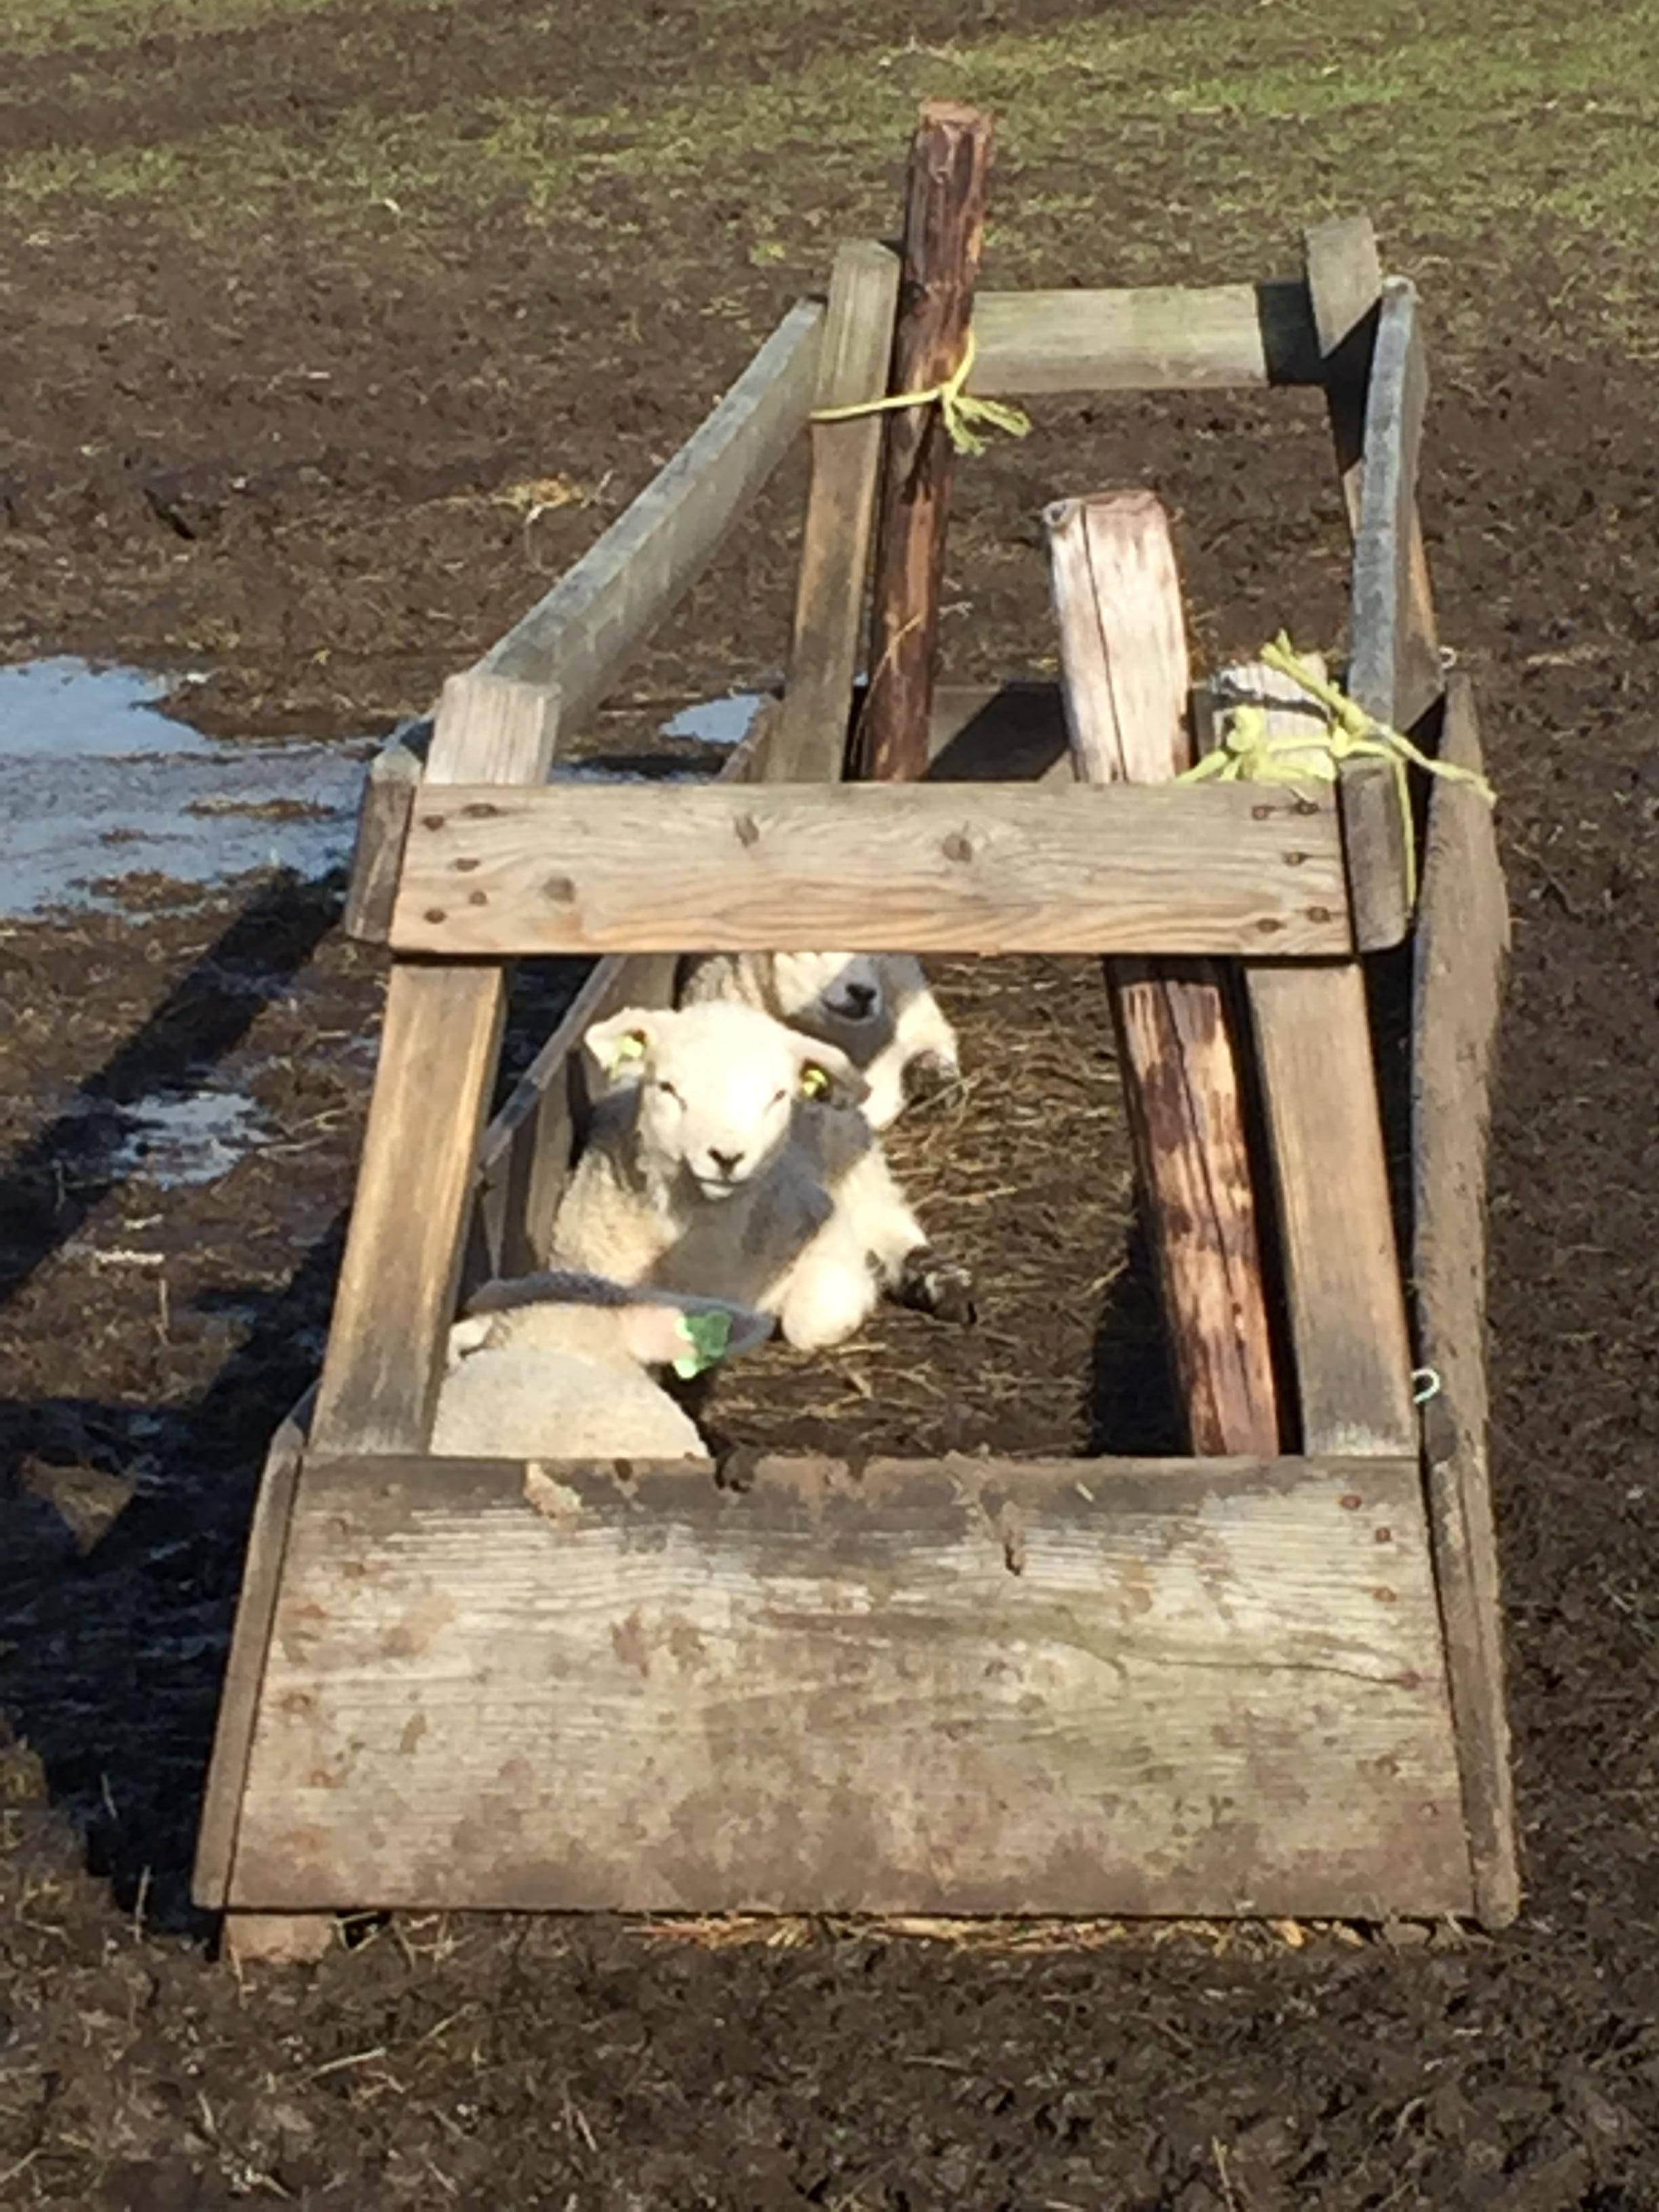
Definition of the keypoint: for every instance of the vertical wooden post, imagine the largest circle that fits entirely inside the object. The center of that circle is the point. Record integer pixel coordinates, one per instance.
(809, 741)
(1123, 654)
(944, 227)
(439, 1048)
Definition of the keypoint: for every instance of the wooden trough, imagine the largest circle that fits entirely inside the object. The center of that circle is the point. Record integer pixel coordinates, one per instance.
(1268, 1685)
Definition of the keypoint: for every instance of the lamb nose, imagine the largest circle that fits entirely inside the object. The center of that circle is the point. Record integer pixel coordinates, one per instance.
(860, 997)
(727, 1163)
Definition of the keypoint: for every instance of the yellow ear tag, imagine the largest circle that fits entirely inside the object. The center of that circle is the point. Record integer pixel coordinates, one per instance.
(631, 1048)
(814, 1082)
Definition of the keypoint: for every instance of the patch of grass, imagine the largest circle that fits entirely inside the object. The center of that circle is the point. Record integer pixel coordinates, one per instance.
(41, 26)
(1185, 146)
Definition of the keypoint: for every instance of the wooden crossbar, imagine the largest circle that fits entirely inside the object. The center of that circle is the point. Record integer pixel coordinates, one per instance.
(986, 868)
(1158, 338)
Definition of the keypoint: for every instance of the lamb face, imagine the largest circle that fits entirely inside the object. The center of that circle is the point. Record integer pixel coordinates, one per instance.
(718, 1085)
(840, 986)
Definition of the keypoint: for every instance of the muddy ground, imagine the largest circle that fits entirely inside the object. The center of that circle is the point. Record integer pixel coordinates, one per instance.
(303, 474)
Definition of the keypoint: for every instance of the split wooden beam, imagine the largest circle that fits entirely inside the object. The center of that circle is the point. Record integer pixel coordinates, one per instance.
(1124, 651)
(932, 867)
(944, 230)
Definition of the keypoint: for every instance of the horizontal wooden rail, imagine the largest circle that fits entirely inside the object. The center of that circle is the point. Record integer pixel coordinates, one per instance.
(961, 1685)
(986, 868)
(1158, 340)
(578, 638)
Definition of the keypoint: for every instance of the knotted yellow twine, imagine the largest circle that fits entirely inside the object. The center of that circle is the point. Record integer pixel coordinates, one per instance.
(1251, 753)
(959, 409)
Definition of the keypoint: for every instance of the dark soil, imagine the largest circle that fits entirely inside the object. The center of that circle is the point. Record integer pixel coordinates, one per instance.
(165, 492)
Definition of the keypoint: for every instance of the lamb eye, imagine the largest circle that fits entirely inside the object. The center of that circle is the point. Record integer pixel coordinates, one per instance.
(668, 1090)
(779, 1097)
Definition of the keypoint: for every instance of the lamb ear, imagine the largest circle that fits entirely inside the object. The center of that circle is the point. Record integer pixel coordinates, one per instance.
(619, 1044)
(825, 1075)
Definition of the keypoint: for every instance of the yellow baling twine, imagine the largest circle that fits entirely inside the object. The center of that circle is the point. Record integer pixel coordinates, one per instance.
(1251, 753)
(959, 410)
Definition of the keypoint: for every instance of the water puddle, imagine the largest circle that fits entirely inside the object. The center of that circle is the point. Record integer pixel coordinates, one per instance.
(178, 1138)
(723, 721)
(97, 788)
(101, 795)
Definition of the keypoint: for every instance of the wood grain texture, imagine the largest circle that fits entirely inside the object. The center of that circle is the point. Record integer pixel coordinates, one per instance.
(1461, 954)
(1394, 668)
(1344, 289)
(944, 230)
(581, 634)
(1226, 868)
(810, 743)
(1375, 831)
(440, 1041)
(278, 1939)
(239, 1696)
(962, 1687)
(1124, 651)
(383, 812)
(1153, 339)
(1343, 1287)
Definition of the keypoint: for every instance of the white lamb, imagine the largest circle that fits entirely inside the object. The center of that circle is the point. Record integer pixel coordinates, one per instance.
(553, 1366)
(729, 1158)
(877, 1007)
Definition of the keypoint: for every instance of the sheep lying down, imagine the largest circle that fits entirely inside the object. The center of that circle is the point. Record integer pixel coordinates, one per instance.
(729, 1158)
(876, 1007)
(554, 1366)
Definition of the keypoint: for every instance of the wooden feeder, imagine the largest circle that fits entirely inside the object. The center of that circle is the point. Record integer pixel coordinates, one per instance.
(1251, 1684)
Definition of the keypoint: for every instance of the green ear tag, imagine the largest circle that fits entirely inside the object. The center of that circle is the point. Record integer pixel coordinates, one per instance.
(707, 1335)
(632, 1047)
(814, 1082)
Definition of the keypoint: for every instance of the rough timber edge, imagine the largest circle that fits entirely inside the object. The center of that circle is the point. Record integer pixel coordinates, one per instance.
(1458, 956)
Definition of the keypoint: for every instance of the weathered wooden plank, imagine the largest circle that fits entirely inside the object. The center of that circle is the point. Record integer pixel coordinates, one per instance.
(1345, 287)
(1156, 339)
(440, 1042)
(383, 813)
(1070, 1686)
(1394, 668)
(1461, 952)
(1223, 868)
(581, 635)
(1123, 651)
(1347, 1303)
(841, 508)
(944, 231)
(239, 1697)
(1375, 835)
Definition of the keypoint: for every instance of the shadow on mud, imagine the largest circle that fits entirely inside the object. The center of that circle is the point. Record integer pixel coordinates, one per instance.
(122, 1527)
